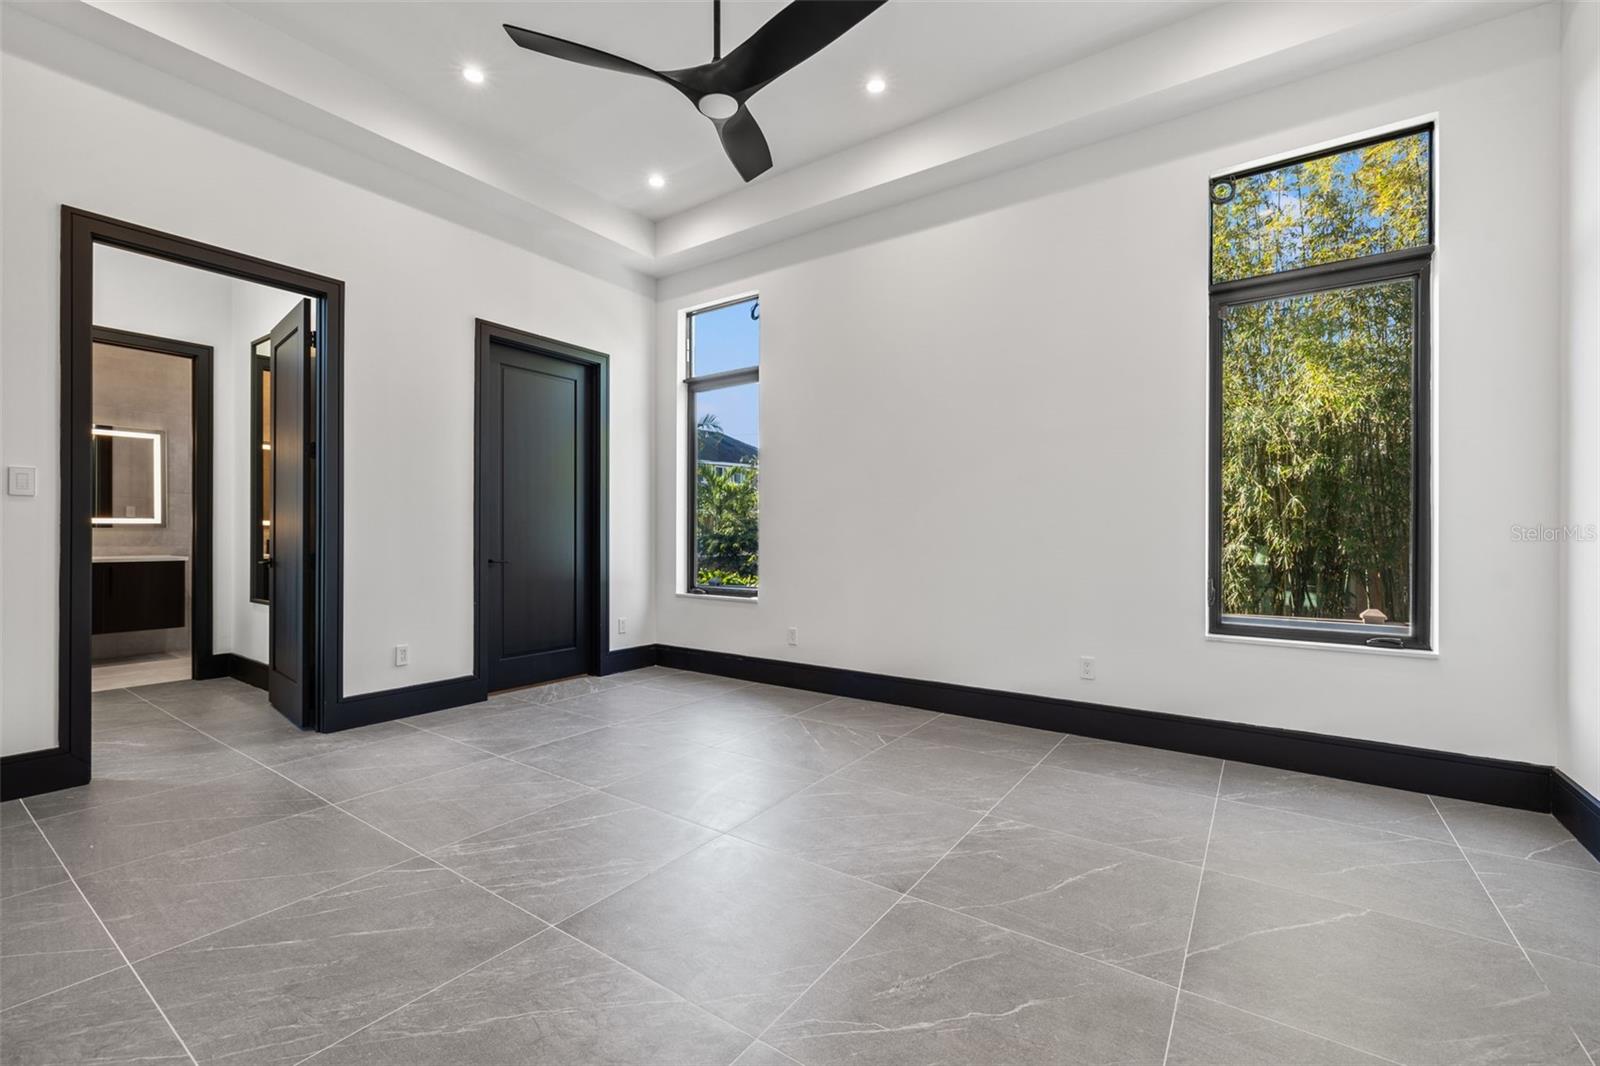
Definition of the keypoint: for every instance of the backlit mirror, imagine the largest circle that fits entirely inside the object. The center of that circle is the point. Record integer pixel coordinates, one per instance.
(127, 477)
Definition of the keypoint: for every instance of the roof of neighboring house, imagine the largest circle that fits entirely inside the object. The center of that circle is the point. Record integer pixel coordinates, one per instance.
(720, 448)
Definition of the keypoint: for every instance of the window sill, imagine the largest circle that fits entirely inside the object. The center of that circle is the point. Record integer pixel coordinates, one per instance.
(1317, 645)
(713, 597)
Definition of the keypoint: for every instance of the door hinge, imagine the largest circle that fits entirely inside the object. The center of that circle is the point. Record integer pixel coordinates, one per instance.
(311, 449)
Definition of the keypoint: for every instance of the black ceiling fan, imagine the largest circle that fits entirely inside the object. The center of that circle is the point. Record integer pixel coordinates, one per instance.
(719, 89)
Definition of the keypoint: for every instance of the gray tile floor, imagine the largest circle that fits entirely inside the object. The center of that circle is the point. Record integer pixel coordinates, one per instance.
(666, 868)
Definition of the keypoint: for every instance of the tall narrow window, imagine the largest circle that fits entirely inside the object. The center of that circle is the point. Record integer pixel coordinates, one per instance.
(1319, 395)
(261, 470)
(724, 373)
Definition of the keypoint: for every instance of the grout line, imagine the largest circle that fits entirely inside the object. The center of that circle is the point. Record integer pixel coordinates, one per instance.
(106, 929)
(1492, 902)
(761, 1036)
(1194, 912)
(63, 988)
(423, 995)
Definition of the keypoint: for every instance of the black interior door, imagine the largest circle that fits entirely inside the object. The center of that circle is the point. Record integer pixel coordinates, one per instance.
(538, 545)
(289, 638)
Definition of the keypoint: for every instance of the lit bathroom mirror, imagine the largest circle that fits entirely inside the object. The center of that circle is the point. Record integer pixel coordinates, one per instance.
(127, 477)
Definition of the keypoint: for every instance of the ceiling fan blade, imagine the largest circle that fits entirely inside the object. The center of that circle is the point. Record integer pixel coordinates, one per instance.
(745, 144)
(789, 38)
(579, 53)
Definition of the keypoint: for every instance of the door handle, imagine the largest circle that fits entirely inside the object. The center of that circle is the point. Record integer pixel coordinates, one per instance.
(498, 562)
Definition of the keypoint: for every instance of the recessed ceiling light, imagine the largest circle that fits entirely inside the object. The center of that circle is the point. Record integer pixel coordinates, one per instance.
(473, 74)
(876, 84)
(656, 181)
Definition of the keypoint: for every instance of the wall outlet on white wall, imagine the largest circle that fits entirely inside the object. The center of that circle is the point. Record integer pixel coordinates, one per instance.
(402, 654)
(794, 636)
(1086, 668)
(622, 626)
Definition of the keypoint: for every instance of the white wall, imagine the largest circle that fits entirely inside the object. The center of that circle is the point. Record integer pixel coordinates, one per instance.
(1580, 98)
(414, 285)
(146, 295)
(984, 422)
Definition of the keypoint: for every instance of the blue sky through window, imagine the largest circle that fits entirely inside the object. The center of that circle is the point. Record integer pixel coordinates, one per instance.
(729, 338)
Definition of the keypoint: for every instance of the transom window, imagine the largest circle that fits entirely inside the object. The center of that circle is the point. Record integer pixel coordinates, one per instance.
(1319, 395)
(724, 383)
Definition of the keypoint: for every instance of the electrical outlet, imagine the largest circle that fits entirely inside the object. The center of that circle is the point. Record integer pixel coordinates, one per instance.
(402, 654)
(622, 626)
(1086, 668)
(794, 637)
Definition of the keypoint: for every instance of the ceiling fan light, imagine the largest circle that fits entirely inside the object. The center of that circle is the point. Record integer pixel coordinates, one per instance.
(717, 106)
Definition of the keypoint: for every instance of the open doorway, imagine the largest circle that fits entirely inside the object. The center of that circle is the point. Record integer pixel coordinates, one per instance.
(185, 423)
(295, 635)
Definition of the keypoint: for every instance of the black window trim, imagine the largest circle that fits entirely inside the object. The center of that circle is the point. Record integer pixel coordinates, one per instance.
(1415, 264)
(694, 385)
(260, 571)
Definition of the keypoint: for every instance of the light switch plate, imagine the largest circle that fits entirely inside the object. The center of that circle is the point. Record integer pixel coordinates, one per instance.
(22, 480)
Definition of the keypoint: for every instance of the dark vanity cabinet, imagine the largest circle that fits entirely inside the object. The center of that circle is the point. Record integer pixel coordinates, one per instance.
(138, 593)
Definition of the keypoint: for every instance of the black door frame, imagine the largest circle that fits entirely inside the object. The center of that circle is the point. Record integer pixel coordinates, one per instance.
(597, 489)
(203, 663)
(67, 764)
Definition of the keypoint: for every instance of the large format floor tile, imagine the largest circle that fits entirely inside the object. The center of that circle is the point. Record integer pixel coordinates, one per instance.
(1408, 813)
(1170, 822)
(957, 776)
(885, 837)
(886, 718)
(718, 789)
(1205, 1033)
(1407, 876)
(1408, 992)
(551, 1000)
(26, 861)
(463, 802)
(110, 834)
(502, 726)
(280, 987)
(107, 1020)
(561, 860)
(346, 773)
(49, 939)
(763, 876)
(163, 901)
(819, 746)
(927, 985)
(1521, 834)
(1552, 910)
(1111, 904)
(1151, 766)
(738, 929)
(605, 756)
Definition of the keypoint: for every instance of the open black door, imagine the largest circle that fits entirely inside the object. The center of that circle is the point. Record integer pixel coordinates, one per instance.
(289, 655)
(540, 542)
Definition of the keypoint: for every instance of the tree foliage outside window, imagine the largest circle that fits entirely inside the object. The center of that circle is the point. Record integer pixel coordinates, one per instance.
(725, 522)
(1318, 403)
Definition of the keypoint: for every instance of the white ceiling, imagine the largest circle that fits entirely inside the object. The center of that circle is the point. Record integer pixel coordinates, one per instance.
(606, 131)
(554, 155)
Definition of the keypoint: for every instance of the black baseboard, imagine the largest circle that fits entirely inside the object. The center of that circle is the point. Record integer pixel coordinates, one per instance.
(247, 670)
(1577, 809)
(373, 707)
(34, 772)
(622, 659)
(1485, 780)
